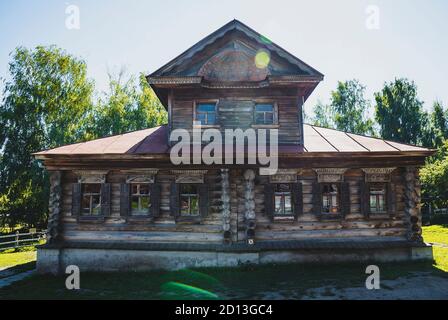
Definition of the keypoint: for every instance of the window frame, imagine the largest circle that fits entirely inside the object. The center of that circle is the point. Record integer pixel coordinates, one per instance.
(384, 186)
(283, 201)
(189, 195)
(275, 123)
(91, 195)
(338, 197)
(195, 113)
(140, 212)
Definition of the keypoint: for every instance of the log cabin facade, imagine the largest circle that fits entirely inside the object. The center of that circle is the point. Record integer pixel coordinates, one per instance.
(119, 203)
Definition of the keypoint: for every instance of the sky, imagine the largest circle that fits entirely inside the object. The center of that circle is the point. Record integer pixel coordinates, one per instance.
(373, 41)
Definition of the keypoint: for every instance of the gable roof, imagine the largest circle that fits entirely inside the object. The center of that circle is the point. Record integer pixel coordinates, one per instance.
(153, 141)
(235, 25)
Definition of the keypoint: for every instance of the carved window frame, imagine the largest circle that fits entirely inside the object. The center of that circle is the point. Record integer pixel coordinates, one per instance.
(206, 101)
(275, 123)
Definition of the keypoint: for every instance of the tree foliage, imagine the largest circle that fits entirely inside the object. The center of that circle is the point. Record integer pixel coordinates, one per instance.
(399, 112)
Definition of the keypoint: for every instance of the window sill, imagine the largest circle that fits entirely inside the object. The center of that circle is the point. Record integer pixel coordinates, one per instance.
(265, 126)
(285, 218)
(91, 219)
(139, 219)
(188, 220)
(379, 216)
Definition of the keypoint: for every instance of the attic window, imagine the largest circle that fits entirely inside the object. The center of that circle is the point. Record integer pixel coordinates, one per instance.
(205, 113)
(264, 114)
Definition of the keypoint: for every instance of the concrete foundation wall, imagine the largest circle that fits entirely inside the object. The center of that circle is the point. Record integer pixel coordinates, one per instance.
(56, 260)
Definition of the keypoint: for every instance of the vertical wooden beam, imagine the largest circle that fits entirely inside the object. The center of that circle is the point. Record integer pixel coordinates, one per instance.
(249, 205)
(225, 207)
(54, 207)
(300, 104)
(170, 115)
(412, 204)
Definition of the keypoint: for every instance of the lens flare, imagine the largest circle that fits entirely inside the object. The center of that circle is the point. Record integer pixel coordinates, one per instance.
(262, 59)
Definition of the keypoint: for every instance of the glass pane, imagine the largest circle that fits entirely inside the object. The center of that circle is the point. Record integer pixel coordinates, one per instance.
(188, 189)
(211, 118)
(184, 205)
(85, 205)
(134, 203)
(288, 207)
(96, 207)
(205, 107)
(278, 204)
(282, 188)
(144, 189)
(194, 202)
(269, 118)
(259, 118)
(325, 203)
(91, 188)
(264, 107)
(145, 203)
(372, 203)
(381, 203)
(201, 118)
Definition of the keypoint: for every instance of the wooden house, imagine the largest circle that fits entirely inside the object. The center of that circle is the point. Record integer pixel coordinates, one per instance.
(119, 203)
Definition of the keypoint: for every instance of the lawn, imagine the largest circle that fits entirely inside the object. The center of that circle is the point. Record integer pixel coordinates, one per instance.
(248, 282)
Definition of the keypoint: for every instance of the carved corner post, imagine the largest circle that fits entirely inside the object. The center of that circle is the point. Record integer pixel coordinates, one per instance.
(225, 207)
(412, 204)
(54, 208)
(249, 204)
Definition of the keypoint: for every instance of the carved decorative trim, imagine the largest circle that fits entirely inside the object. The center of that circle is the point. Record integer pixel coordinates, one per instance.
(378, 174)
(225, 208)
(140, 175)
(91, 176)
(330, 174)
(249, 205)
(189, 176)
(285, 176)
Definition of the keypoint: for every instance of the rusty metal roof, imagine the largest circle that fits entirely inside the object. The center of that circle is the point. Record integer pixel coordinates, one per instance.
(154, 141)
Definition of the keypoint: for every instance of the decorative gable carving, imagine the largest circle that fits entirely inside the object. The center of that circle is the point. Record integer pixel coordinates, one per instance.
(189, 176)
(91, 176)
(330, 174)
(378, 174)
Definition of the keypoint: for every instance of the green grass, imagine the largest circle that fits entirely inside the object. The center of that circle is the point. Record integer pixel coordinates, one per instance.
(16, 258)
(438, 234)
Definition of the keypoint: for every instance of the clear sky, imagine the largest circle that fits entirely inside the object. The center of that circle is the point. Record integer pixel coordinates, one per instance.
(410, 39)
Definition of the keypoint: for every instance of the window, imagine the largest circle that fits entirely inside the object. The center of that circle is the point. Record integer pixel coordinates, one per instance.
(140, 199)
(377, 196)
(91, 199)
(264, 114)
(330, 198)
(206, 113)
(189, 200)
(282, 199)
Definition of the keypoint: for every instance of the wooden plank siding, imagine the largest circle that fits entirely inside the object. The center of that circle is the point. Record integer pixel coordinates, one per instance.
(235, 110)
(164, 228)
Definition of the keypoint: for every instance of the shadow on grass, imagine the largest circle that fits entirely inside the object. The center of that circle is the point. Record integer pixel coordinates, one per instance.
(17, 269)
(283, 281)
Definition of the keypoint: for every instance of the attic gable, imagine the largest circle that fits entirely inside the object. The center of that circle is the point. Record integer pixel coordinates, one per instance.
(231, 54)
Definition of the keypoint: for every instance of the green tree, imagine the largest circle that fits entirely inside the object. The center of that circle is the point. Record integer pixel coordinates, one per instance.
(323, 115)
(44, 102)
(350, 108)
(399, 112)
(435, 128)
(127, 106)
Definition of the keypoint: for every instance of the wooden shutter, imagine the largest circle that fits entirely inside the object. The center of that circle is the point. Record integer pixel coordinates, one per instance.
(345, 198)
(174, 199)
(365, 198)
(105, 199)
(76, 199)
(155, 200)
(269, 199)
(297, 198)
(125, 200)
(317, 198)
(391, 198)
(203, 200)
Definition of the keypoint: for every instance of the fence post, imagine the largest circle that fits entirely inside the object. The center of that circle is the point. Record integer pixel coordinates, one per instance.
(17, 239)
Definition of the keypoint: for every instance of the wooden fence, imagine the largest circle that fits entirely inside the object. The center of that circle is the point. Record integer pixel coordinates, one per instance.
(19, 240)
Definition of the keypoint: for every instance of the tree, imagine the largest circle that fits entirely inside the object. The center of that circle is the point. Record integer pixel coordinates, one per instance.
(435, 128)
(127, 107)
(44, 103)
(399, 112)
(350, 108)
(323, 116)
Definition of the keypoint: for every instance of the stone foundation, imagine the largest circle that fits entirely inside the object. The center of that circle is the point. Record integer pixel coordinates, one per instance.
(55, 260)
